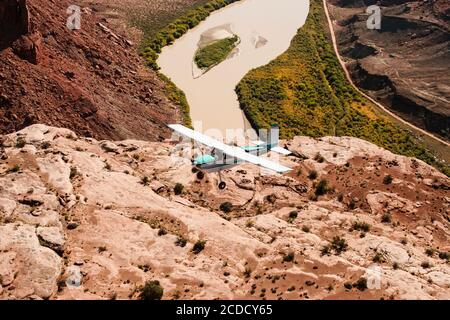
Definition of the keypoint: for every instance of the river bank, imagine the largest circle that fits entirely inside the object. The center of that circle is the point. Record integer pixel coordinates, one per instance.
(265, 28)
(306, 91)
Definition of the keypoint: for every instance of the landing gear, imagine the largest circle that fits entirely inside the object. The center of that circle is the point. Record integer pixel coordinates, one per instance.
(222, 184)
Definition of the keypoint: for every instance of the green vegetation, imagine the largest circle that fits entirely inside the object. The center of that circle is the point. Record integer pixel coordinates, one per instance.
(164, 30)
(155, 41)
(178, 97)
(199, 246)
(360, 226)
(289, 257)
(322, 188)
(214, 53)
(388, 179)
(306, 92)
(152, 290)
(226, 207)
(178, 189)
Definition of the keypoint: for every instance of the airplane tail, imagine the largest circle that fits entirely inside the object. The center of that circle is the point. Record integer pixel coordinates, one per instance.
(273, 140)
(273, 137)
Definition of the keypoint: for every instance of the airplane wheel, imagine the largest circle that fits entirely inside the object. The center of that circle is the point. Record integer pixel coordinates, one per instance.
(222, 185)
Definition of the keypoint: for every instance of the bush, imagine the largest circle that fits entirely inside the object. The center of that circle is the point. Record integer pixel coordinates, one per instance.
(226, 207)
(145, 181)
(429, 252)
(378, 258)
(388, 179)
(348, 286)
(178, 189)
(321, 188)
(152, 290)
(361, 226)
(361, 284)
(292, 216)
(200, 175)
(326, 250)
(386, 218)
(15, 168)
(20, 142)
(319, 158)
(313, 175)
(306, 229)
(199, 246)
(444, 255)
(289, 257)
(247, 272)
(181, 242)
(339, 245)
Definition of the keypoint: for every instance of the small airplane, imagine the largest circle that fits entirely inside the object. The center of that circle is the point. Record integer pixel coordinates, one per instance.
(224, 156)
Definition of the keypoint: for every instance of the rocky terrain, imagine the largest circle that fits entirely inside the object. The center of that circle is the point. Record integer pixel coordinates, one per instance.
(405, 64)
(88, 219)
(90, 80)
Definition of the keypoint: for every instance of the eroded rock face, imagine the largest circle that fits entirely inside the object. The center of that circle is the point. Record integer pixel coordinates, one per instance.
(81, 218)
(14, 21)
(404, 64)
(30, 48)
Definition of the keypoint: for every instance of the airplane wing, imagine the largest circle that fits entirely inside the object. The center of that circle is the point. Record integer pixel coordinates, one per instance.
(229, 150)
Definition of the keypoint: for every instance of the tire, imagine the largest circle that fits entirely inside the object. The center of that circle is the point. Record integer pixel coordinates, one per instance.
(222, 185)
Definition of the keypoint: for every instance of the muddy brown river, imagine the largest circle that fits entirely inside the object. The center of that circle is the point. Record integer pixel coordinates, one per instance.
(265, 28)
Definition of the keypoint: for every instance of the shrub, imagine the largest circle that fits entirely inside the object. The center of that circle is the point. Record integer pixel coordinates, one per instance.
(226, 207)
(181, 242)
(378, 258)
(162, 232)
(199, 246)
(20, 142)
(313, 175)
(319, 158)
(361, 284)
(247, 272)
(361, 226)
(200, 175)
(339, 245)
(386, 218)
(352, 204)
(340, 197)
(306, 229)
(152, 290)
(145, 181)
(321, 188)
(444, 255)
(73, 172)
(292, 216)
(429, 252)
(388, 179)
(326, 250)
(289, 257)
(178, 189)
(15, 168)
(425, 265)
(348, 286)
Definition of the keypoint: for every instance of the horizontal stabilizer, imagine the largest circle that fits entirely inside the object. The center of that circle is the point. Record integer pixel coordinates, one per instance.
(282, 151)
